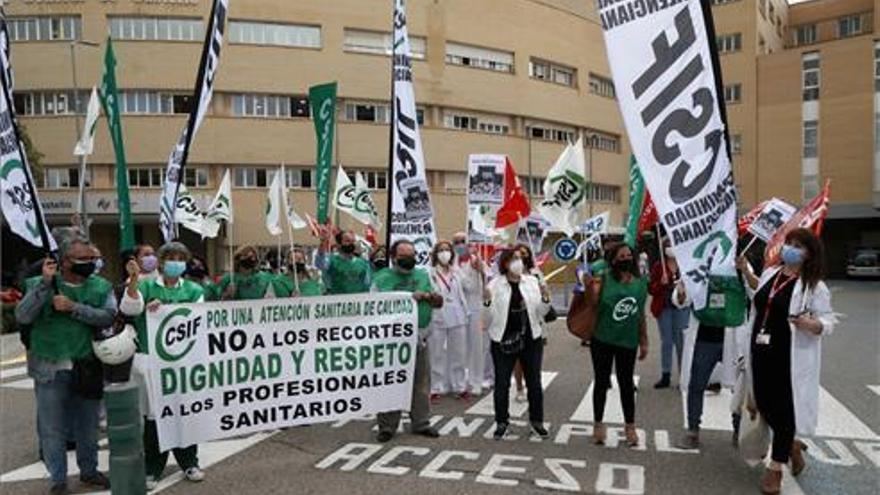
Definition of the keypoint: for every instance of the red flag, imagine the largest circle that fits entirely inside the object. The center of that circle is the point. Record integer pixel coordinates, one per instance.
(743, 224)
(648, 219)
(314, 226)
(542, 258)
(516, 203)
(811, 216)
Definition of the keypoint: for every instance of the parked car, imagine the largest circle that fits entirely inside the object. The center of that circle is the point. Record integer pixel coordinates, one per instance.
(865, 263)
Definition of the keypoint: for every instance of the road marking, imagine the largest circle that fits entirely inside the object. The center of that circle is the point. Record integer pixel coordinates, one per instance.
(613, 410)
(486, 406)
(210, 453)
(835, 420)
(875, 389)
(12, 372)
(25, 384)
(16, 360)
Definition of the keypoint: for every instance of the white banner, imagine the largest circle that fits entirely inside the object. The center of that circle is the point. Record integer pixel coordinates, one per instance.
(219, 370)
(565, 189)
(274, 206)
(411, 216)
(662, 63)
(86, 143)
(773, 216)
(204, 90)
(485, 195)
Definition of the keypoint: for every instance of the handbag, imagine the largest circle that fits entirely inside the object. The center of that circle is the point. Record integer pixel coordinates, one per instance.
(584, 311)
(725, 302)
(551, 315)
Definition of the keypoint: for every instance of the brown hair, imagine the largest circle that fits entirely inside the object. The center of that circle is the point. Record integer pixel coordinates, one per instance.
(611, 253)
(436, 250)
(813, 267)
(504, 260)
(531, 260)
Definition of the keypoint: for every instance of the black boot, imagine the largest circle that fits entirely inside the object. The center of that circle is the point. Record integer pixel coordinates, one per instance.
(664, 381)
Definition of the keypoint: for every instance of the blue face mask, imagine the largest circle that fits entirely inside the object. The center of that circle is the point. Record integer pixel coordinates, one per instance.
(461, 249)
(792, 255)
(174, 269)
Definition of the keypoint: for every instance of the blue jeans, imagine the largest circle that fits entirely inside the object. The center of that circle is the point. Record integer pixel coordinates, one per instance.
(59, 411)
(706, 355)
(672, 322)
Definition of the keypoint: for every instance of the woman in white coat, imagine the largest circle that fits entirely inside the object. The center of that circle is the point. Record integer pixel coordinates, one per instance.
(448, 335)
(792, 314)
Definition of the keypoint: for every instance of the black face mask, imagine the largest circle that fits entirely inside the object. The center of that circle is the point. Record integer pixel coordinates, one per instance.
(406, 262)
(83, 269)
(299, 267)
(347, 248)
(622, 266)
(248, 263)
(380, 263)
(196, 272)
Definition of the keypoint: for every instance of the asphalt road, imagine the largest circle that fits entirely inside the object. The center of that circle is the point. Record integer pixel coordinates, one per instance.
(843, 458)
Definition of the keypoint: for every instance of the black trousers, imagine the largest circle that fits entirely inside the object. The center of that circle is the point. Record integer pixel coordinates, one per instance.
(530, 358)
(624, 362)
(773, 395)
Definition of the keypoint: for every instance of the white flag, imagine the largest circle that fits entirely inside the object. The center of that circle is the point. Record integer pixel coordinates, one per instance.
(190, 215)
(221, 207)
(664, 67)
(412, 216)
(593, 242)
(597, 224)
(295, 221)
(565, 189)
(364, 205)
(274, 206)
(86, 143)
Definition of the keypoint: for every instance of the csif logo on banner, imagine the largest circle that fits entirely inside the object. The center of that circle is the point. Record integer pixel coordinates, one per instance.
(177, 335)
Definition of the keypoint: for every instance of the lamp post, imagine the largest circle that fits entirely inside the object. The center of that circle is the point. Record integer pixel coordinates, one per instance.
(594, 142)
(76, 116)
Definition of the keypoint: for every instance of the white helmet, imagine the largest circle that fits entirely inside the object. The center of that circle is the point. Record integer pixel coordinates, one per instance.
(118, 348)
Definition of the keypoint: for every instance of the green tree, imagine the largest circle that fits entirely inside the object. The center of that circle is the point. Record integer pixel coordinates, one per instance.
(34, 157)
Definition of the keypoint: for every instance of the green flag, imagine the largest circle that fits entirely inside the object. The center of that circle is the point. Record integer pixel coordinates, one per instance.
(110, 102)
(322, 98)
(636, 200)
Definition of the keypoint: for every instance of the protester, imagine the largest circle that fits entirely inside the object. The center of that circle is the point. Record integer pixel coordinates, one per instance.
(528, 260)
(516, 305)
(147, 261)
(405, 276)
(300, 279)
(63, 311)
(197, 271)
(378, 259)
(448, 333)
(620, 334)
(472, 273)
(792, 314)
(248, 283)
(671, 320)
(148, 295)
(344, 272)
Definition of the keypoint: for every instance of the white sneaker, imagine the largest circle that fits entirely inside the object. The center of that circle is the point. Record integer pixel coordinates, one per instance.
(151, 483)
(195, 474)
(520, 396)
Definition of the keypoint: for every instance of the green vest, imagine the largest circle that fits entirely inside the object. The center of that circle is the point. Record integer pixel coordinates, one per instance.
(58, 336)
(186, 292)
(418, 280)
(347, 275)
(250, 287)
(621, 308)
(307, 286)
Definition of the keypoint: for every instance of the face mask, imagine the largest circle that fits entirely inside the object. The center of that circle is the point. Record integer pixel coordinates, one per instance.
(248, 263)
(624, 265)
(380, 263)
(347, 248)
(149, 263)
(461, 249)
(792, 255)
(300, 267)
(99, 265)
(406, 263)
(174, 269)
(83, 268)
(516, 267)
(194, 272)
(669, 253)
(444, 257)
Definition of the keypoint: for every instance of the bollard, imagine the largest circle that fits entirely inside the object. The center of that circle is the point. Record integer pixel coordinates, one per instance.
(125, 433)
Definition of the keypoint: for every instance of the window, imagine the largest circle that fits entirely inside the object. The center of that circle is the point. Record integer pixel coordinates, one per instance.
(490, 125)
(145, 177)
(33, 103)
(552, 72)
(736, 144)
(729, 43)
(63, 178)
(156, 28)
(733, 93)
(195, 177)
(602, 86)
(269, 106)
(532, 185)
(877, 66)
(376, 179)
(148, 102)
(811, 76)
(850, 25)
(805, 35)
(482, 58)
(601, 141)
(268, 33)
(298, 178)
(49, 28)
(494, 128)
(811, 139)
(549, 133)
(252, 177)
(464, 122)
(368, 112)
(380, 43)
(603, 193)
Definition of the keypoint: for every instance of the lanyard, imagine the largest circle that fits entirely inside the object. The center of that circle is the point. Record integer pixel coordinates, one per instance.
(775, 289)
(442, 279)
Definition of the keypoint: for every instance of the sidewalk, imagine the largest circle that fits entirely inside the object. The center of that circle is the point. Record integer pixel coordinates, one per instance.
(10, 347)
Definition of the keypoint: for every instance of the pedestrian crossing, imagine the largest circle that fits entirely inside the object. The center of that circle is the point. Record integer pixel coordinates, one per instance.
(613, 409)
(486, 406)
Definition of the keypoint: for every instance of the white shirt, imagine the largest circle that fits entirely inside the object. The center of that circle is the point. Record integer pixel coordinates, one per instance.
(453, 313)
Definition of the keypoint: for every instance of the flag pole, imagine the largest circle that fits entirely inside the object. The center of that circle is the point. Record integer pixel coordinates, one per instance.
(749, 245)
(660, 248)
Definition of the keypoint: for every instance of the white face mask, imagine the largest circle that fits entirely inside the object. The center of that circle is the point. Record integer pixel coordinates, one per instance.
(516, 267)
(444, 257)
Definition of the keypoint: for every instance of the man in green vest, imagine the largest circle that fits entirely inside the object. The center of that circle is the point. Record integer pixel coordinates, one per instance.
(405, 276)
(248, 282)
(64, 311)
(344, 272)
